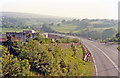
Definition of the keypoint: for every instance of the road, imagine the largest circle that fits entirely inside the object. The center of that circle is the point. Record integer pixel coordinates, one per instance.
(105, 57)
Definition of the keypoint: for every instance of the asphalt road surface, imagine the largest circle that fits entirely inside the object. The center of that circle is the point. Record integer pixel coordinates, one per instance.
(105, 57)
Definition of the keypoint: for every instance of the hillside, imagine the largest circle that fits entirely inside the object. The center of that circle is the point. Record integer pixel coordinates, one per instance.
(25, 15)
(14, 19)
(94, 28)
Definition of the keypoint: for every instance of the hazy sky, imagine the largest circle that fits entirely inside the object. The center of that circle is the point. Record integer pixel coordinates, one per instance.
(65, 8)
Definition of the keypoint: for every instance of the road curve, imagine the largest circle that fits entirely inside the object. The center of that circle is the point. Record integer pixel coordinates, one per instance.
(105, 57)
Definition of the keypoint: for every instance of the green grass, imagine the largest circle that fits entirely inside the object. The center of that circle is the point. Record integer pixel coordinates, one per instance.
(88, 67)
(4, 30)
(97, 22)
(100, 29)
(77, 64)
(65, 28)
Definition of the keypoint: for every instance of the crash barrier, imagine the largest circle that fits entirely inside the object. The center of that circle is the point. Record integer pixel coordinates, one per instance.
(86, 53)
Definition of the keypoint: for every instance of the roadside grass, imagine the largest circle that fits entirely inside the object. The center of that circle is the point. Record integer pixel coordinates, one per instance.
(77, 66)
(76, 63)
(88, 67)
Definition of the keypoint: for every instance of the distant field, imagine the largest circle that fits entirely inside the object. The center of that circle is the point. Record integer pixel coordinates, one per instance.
(100, 29)
(62, 28)
(65, 28)
(75, 28)
(97, 22)
(4, 30)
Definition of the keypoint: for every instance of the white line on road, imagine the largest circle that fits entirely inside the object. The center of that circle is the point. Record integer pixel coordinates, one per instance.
(107, 57)
(95, 66)
(96, 71)
(111, 50)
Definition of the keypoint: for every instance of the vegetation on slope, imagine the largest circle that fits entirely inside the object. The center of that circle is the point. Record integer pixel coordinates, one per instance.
(35, 59)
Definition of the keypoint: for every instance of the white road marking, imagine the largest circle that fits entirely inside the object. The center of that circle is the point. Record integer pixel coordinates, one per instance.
(96, 70)
(112, 50)
(107, 57)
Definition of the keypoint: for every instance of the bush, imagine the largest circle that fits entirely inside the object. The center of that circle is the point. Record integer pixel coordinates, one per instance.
(47, 60)
(119, 48)
(58, 41)
(12, 66)
(44, 40)
(66, 40)
(75, 40)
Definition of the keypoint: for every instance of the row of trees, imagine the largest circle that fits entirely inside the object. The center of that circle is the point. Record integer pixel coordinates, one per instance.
(103, 35)
(91, 22)
(67, 40)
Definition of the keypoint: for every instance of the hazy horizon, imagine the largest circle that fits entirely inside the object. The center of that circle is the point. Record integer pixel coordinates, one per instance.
(56, 16)
(93, 9)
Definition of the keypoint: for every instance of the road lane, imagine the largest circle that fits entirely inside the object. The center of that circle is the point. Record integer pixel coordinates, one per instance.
(106, 57)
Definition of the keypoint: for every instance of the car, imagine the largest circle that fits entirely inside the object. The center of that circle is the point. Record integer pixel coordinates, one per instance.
(89, 38)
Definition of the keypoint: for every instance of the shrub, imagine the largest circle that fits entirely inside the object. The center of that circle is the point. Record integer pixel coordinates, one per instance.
(66, 40)
(58, 41)
(75, 40)
(119, 48)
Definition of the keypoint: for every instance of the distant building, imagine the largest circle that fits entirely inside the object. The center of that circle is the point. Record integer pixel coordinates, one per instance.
(45, 35)
(53, 37)
(23, 35)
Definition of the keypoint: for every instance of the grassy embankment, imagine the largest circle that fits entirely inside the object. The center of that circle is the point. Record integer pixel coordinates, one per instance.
(77, 67)
(85, 68)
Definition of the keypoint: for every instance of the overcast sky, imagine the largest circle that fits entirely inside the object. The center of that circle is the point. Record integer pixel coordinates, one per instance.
(65, 8)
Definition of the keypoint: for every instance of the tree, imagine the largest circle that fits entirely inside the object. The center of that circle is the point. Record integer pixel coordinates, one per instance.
(118, 36)
(58, 41)
(28, 37)
(63, 21)
(75, 40)
(51, 24)
(9, 41)
(94, 34)
(38, 36)
(12, 66)
(108, 33)
(58, 24)
(68, 39)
